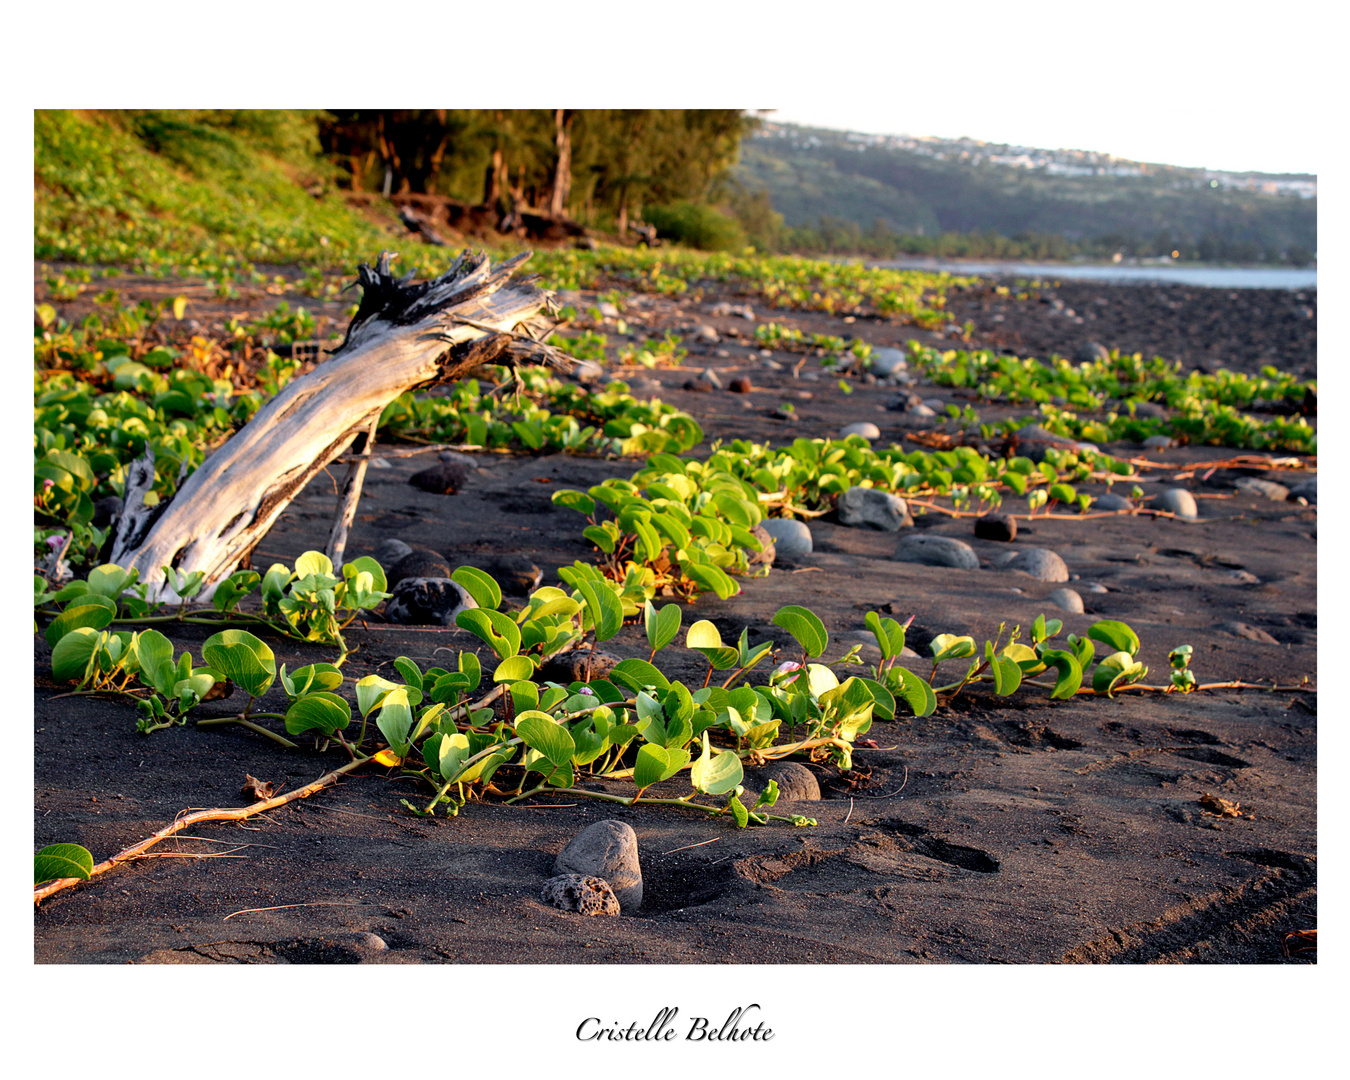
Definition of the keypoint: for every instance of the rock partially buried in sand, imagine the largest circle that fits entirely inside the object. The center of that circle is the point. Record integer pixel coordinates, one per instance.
(865, 428)
(586, 895)
(1177, 501)
(1249, 633)
(1041, 563)
(427, 602)
(796, 783)
(418, 564)
(1265, 489)
(937, 551)
(608, 849)
(578, 665)
(767, 552)
(1090, 352)
(1306, 490)
(791, 538)
(887, 361)
(1111, 501)
(1067, 600)
(390, 551)
(1001, 527)
(1159, 442)
(873, 507)
(443, 478)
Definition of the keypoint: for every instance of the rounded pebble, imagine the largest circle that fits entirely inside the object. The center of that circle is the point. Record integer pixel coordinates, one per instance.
(790, 537)
(417, 564)
(443, 478)
(1067, 600)
(1041, 563)
(1159, 442)
(390, 551)
(1265, 489)
(608, 849)
(1111, 501)
(865, 428)
(796, 783)
(873, 507)
(1177, 501)
(887, 361)
(937, 551)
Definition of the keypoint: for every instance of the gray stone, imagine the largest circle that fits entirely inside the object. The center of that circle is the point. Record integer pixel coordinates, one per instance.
(873, 507)
(390, 551)
(1265, 489)
(380, 463)
(936, 404)
(607, 309)
(427, 601)
(1111, 501)
(516, 574)
(1041, 563)
(608, 849)
(1000, 527)
(1094, 587)
(707, 333)
(369, 942)
(791, 538)
(1306, 490)
(865, 428)
(1159, 442)
(464, 461)
(796, 783)
(937, 551)
(1067, 600)
(920, 412)
(1242, 577)
(709, 376)
(1177, 501)
(417, 564)
(1250, 633)
(887, 361)
(584, 894)
(1091, 352)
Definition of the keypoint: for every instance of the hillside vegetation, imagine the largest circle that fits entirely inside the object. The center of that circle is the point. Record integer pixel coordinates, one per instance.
(837, 194)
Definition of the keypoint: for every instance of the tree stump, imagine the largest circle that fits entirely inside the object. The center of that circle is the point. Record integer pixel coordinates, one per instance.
(404, 335)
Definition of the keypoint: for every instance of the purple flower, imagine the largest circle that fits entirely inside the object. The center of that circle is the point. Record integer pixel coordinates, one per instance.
(785, 667)
(47, 485)
(587, 691)
(55, 542)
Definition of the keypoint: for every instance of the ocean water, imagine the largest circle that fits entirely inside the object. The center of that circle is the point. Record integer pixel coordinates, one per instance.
(1216, 277)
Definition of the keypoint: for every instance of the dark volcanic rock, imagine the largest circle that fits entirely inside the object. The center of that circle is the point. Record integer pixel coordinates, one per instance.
(418, 564)
(578, 665)
(586, 895)
(427, 601)
(609, 850)
(443, 478)
(1001, 527)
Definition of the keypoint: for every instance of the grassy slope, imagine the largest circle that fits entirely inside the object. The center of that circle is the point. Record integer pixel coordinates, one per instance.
(102, 196)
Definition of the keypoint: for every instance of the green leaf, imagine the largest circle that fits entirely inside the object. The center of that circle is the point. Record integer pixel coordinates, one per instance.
(574, 500)
(1007, 675)
(883, 700)
(154, 656)
(710, 578)
(541, 732)
(313, 562)
(951, 647)
(89, 610)
(637, 674)
(1115, 634)
(1119, 667)
(496, 628)
(62, 861)
(73, 653)
(715, 776)
(662, 626)
(514, 669)
(603, 606)
(1070, 672)
(917, 693)
(890, 634)
(370, 691)
(805, 626)
(739, 812)
(480, 585)
(412, 674)
(234, 588)
(655, 763)
(319, 711)
(366, 565)
(396, 720)
(243, 659)
(703, 637)
(110, 580)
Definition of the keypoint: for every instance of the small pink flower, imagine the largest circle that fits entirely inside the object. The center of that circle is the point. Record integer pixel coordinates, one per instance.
(785, 667)
(587, 691)
(47, 485)
(55, 542)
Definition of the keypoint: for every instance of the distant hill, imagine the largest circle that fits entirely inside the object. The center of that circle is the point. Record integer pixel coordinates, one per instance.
(1096, 204)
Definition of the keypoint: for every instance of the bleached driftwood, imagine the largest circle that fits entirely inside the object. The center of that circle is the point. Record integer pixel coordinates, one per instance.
(404, 335)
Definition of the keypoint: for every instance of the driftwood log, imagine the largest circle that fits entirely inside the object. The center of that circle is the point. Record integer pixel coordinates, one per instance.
(403, 335)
